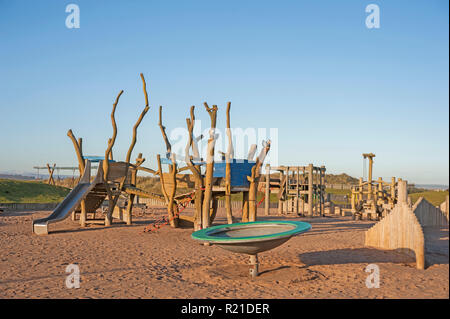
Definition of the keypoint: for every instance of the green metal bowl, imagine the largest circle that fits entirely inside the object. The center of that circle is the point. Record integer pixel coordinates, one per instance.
(253, 237)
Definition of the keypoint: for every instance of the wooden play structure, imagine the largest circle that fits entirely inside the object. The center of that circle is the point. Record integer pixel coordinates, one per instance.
(113, 180)
(300, 189)
(208, 180)
(118, 178)
(403, 228)
(373, 199)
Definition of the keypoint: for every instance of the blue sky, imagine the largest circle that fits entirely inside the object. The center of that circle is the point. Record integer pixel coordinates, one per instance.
(332, 87)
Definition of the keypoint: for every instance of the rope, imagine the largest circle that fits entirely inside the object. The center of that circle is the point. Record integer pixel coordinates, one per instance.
(164, 221)
(183, 203)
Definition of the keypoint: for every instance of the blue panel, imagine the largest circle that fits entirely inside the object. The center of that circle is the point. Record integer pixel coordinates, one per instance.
(240, 169)
(95, 159)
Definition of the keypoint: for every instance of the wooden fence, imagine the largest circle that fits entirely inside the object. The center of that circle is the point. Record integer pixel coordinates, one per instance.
(235, 205)
(428, 215)
(400, 230)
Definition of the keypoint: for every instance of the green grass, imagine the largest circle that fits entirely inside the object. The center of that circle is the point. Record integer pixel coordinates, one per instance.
(338, 191)
(15, 191)
(434, 197)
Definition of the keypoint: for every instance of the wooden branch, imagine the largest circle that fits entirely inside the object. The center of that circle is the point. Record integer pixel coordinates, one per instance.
(195, 151)
(135, 127)
(228, 156)
(110, 153)
(161, 178)
(148, 170)
(50, 180)
(139, 161)
(209, 166)
(230, 150)
(173, 218)
(112, 140)
(145, 89)
(163, 132)
(78, 151)
(251, 152)
(196, 171)
(254, 180)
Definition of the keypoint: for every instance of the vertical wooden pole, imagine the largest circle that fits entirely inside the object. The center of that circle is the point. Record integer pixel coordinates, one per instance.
(245, 207)
(267, 193)
(310, 189)
(252, 196)
(322, 190)
(209, 166)
(213, 210)
(297, 199)
(392, 199)
(196, 172)
(286, 187)
(280, 195)
(229, 156)
(402, 192)
(254, 180)
(83, 214)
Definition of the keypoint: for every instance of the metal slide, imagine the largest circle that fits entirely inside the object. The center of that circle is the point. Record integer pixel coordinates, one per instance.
(71, 202)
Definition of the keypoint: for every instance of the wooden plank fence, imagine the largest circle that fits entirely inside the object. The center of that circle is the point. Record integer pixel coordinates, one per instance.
(399, 230)
(235, 205)
(428, 215)
(402, 229)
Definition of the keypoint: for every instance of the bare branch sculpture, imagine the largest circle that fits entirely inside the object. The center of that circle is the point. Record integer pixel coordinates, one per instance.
(78, 151)
(254, 180)
(209, 166)
(112, 140)
(228, 157)
(163, 132)
(135, 127)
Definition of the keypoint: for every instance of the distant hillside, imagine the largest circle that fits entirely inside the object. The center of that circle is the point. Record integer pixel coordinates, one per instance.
(16, 191)
(434, 197)
(340, 179)
(16, 177)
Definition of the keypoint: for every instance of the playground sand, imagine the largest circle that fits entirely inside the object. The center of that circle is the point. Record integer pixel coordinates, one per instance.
(122, 262)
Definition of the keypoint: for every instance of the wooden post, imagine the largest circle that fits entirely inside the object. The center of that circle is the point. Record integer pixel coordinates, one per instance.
(254, 180)
(353, 201)
(196, 172)
(267, 192)
(209, 166)
(213, 210)
(50, 180)
(392, 199)
(322, 189)
(402, 192)
(297, 199)
(112, 200)
(245, 207)
(286, 189)
(310, 190)
(228, 157)
(280, 202)
(169, 197)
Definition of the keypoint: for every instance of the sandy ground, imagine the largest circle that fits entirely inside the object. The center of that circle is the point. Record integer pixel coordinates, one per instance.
(122, 262)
